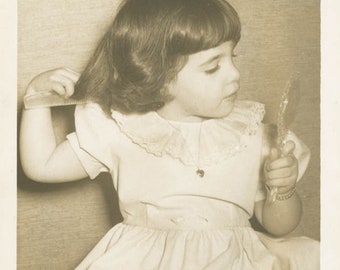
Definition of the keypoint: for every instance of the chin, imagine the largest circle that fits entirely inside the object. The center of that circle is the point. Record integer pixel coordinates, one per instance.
(226, 111)
(221, 112)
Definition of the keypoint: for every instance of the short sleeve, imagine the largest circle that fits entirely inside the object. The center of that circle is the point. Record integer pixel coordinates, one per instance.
(302, 154)
(93, 139)
(92, 166)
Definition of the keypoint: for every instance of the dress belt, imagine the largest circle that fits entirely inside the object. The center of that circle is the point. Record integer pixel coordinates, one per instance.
(165, 219)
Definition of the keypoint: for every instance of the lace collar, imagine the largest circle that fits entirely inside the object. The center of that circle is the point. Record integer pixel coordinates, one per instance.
(218, 138)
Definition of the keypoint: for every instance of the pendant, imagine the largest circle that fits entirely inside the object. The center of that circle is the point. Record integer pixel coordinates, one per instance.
(200, 172)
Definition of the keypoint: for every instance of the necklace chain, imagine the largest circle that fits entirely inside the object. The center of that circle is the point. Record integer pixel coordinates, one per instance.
(199, 171)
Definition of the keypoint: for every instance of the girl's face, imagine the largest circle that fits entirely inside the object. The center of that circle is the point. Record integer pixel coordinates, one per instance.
(206, 87)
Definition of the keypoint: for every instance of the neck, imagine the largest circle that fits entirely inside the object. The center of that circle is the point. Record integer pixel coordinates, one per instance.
(170, 113)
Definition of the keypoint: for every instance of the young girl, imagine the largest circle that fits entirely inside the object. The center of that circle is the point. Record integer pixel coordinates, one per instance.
(191, 163)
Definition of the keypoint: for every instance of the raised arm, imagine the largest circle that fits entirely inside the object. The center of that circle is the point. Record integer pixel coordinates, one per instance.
(41, 158)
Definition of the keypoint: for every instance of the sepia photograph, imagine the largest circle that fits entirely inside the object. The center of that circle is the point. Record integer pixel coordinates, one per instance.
(171, 134)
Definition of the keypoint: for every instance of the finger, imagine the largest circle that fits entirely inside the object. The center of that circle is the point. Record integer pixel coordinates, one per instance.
(69, 73)
(281, 183)
(288, 148)
(280, 173)
(58, 88)
(286, 161)
(66, 83)
(273, 154)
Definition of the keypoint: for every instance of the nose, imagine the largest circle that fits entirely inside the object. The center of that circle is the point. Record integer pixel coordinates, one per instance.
(233, 73)
(232, 77)
(230, 72)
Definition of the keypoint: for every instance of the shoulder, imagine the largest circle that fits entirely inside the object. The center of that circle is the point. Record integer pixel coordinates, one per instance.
(254, 112)
(90, 110)
(94, 127)
(91, 116)
(247, 116)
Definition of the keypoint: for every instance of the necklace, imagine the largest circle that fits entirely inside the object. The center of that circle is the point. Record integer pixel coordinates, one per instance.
(199, 171)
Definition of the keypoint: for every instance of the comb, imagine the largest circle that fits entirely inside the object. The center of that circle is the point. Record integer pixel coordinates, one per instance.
(287, 110)
(49, 99)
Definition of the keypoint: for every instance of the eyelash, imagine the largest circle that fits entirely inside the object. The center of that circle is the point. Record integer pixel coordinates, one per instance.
(213, 70)
(217, 67)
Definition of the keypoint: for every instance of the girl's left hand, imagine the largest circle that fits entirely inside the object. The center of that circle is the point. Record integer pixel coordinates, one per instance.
(281, 169)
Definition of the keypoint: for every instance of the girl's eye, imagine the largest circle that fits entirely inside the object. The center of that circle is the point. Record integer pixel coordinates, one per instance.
(212, 70)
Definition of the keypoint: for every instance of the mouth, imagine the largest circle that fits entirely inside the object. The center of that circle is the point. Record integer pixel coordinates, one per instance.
(231, 97)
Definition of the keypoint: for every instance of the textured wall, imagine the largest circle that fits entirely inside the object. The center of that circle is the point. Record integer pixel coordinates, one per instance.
(59, 224)
(280, 37)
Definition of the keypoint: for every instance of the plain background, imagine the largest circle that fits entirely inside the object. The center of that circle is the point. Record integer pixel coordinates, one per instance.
(65, 221)
(331, 59)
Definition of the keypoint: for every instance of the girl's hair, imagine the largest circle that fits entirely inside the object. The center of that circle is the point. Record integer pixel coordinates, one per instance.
(147, 45)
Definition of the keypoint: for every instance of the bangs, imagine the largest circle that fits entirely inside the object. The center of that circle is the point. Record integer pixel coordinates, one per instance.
(147, 45)
(203, 24)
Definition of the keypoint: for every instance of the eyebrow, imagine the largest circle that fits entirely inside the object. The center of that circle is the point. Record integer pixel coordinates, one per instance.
(216, 55)
(211, 59)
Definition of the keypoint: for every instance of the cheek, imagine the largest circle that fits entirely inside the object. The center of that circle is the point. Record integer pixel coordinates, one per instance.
(207, 97)
(206, 104)
(200, 93)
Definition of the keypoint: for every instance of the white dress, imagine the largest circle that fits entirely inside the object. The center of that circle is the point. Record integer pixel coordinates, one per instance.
(175, 218)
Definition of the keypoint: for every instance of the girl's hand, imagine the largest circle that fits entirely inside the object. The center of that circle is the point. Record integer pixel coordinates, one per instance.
(281, 169)
(61, 81)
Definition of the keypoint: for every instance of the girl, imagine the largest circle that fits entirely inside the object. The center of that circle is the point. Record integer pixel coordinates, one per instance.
(189, 161)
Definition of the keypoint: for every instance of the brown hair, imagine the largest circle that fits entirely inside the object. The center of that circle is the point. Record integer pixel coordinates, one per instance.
(147, 45)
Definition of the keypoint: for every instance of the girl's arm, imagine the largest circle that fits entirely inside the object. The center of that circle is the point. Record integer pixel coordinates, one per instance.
(281, 171)
(41, 158)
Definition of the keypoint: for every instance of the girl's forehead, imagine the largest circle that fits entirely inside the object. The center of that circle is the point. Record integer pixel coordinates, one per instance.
(202, 57)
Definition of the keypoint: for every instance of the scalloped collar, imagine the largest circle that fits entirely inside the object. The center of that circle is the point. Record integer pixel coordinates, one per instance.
(194, 143)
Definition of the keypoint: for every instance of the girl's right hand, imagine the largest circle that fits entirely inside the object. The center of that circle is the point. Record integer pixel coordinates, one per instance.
(60, 80)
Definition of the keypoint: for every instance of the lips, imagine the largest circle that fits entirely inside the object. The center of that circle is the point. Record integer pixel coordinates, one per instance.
(231, 97)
